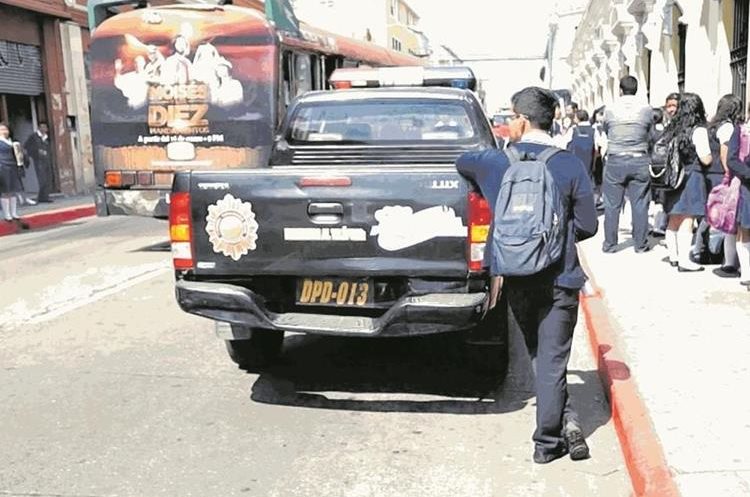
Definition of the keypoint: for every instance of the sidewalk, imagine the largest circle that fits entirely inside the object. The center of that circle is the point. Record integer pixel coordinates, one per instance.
(686, 337)
(62, 209)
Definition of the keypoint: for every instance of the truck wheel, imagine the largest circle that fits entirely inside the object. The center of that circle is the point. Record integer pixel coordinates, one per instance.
(258, 352)
(488, 360)
(486, 345)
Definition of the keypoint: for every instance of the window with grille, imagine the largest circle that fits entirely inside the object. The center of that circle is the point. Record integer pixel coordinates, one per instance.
(738, 55)
(682, 36)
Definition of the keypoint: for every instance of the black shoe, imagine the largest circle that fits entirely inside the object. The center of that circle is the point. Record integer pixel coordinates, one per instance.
(699, 258)
(643, 250)
(542, 456)
(21, 224)
(690, 270)
(745, 283)
(576, 444)
(45, 201)
(727, 272)
(609, 250)
(671, 263)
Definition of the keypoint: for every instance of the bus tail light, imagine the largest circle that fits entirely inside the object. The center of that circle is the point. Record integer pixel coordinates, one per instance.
(113, 179)
(120, 179)
(181, 230)
(479, 230)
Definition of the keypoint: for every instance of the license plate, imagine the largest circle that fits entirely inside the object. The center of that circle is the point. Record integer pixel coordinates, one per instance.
(334, 292)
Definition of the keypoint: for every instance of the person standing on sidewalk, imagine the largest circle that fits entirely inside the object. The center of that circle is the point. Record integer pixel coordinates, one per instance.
(38, 148)
(582, 141)
(741, 169)
(671, 103)
(688, 132)
(544, 305)
(10, 181)
(729, 113)
(628, 124)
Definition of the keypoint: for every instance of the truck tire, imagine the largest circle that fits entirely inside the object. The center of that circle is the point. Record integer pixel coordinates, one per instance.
(258, 352)
(486, 345)
(488, 360)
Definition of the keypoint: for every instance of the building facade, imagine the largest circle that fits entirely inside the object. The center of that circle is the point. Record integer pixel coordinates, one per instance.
(43, 79)
(697, 46)
(388, 23)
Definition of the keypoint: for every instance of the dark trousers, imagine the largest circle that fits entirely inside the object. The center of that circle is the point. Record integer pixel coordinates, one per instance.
(44, 177)
(547, 316)
(626, 174)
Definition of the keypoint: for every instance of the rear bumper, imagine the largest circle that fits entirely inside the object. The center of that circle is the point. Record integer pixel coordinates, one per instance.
(414, 315)
(149, 203)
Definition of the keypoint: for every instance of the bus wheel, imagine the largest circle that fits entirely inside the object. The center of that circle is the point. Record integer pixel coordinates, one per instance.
(258, 352)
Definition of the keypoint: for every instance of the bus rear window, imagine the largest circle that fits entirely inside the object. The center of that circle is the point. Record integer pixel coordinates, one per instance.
(381, 121)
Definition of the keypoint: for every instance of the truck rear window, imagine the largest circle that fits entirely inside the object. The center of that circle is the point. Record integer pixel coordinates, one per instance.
(379, 121)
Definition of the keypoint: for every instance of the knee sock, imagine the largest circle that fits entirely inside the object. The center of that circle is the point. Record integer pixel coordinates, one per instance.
(730, 250)
(5, 202)
(670, 238)
(743, 250)
(14, 207)
(684, 242)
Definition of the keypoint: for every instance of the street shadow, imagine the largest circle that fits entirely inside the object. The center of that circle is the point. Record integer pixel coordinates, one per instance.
(428, 374)
(156, 247)
(589, 400)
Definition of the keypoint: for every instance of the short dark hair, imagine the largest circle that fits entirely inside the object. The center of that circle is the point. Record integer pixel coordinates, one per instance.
(629, 85)
(672, 96)
(573, 105)
(582, 116)
(537, 104)
(658, 115)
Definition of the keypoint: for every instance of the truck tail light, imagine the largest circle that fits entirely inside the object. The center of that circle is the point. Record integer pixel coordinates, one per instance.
(479, 230)
(181, 230)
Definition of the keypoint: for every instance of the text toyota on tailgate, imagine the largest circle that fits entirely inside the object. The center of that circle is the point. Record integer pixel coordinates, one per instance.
(360, 226)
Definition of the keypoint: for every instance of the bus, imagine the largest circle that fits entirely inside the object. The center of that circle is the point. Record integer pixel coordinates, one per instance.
(198, 87)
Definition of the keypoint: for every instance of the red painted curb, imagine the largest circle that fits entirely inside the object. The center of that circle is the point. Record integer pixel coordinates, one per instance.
(644, 457)
(49, 218)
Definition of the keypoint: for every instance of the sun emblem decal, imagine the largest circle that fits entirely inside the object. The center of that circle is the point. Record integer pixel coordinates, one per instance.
(231, 227)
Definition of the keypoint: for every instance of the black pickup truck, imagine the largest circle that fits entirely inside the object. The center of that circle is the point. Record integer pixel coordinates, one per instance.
(360, 226)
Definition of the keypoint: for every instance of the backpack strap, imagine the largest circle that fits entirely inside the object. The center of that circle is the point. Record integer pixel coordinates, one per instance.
(513, 154)
(548, 153)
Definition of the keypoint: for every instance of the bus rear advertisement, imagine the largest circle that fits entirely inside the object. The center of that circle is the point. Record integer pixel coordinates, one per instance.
(198, 87)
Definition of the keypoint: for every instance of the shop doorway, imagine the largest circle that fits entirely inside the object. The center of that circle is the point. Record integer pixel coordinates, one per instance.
(19, 114)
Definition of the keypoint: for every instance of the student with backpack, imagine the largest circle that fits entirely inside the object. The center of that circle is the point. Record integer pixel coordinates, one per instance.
(739, 164)
(729, 113)
(543, 203)
(687, 135)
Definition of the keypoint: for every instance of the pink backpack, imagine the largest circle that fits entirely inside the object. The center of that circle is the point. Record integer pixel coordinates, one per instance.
(721, 208)
(744, 141)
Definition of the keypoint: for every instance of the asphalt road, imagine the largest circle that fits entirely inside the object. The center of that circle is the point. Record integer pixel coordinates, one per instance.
(108, 389)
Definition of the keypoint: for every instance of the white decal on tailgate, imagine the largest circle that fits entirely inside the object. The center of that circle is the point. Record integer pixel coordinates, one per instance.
(231, 227)
(400, 227)
(343, 234)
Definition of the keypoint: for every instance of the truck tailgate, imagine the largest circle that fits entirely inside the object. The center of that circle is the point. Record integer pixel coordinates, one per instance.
(348, 221)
